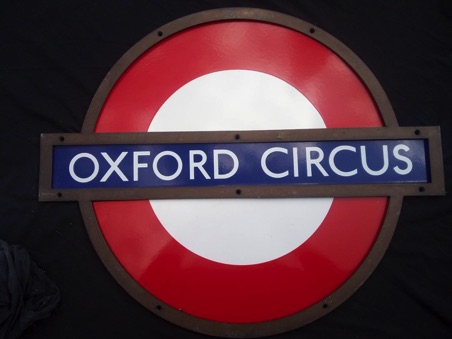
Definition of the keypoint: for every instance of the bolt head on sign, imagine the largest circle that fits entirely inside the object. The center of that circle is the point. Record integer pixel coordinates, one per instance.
(240, 172)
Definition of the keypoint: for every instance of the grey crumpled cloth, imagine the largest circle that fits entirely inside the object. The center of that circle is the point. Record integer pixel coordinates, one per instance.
(26, 293)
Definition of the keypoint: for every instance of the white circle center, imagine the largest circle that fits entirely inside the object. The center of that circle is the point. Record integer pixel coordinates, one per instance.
(239, 232)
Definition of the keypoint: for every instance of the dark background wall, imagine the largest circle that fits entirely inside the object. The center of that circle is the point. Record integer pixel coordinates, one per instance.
(53, 56)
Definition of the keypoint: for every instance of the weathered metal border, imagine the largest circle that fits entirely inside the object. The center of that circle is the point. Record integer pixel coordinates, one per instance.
(431, 134)
(323, 306)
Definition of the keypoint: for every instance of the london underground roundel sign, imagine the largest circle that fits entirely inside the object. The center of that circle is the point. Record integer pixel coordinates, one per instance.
(240, 172)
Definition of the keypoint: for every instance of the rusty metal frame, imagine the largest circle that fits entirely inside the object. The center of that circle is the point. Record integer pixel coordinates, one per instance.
(431, 134)
(394, 193)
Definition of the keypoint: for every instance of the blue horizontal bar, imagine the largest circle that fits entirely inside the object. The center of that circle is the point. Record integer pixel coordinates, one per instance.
(213, 164)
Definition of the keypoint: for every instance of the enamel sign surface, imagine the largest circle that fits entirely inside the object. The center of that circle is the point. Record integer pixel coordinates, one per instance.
(240, 172)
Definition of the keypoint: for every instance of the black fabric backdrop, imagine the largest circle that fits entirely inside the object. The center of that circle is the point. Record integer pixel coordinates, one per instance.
(53, 56)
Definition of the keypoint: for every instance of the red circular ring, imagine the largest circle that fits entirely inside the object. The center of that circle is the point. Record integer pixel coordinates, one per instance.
(229, 293)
